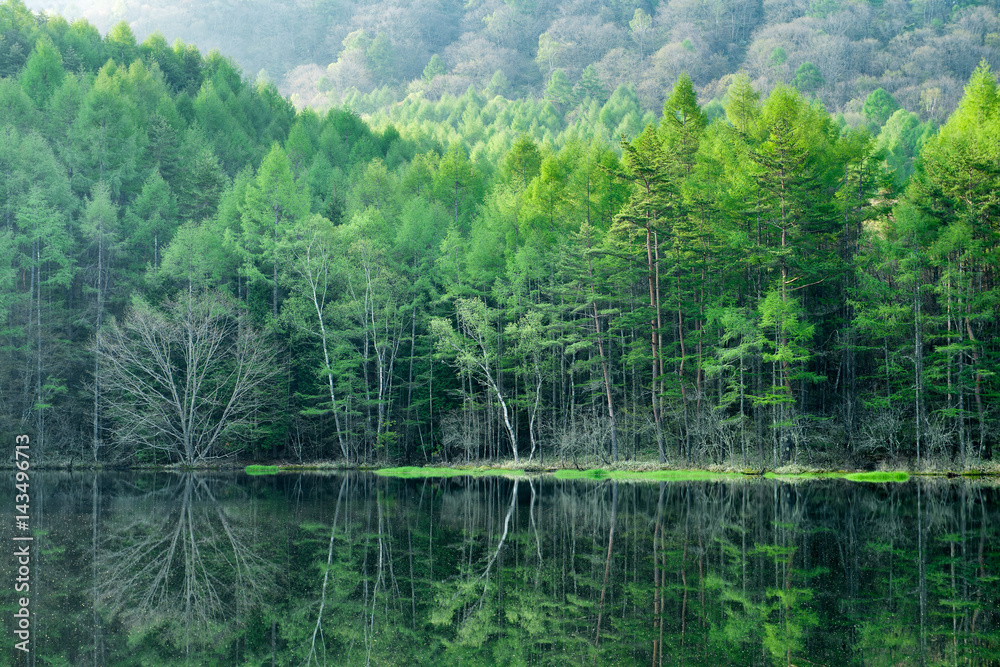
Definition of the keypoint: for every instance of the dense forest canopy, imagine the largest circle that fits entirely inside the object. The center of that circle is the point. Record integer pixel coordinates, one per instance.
(191, 268)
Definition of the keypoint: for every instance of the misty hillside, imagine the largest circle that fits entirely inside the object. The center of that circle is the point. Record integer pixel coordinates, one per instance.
(371, 54)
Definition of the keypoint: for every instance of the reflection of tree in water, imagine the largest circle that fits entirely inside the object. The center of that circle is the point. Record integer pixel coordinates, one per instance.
(178, 561)
(534, 571)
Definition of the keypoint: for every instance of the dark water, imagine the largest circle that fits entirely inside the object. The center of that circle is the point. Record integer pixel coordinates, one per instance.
(144, 569)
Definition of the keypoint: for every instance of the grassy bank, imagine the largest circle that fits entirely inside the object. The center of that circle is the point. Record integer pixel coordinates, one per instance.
(408, 472)
(647, 475)
(594, 470)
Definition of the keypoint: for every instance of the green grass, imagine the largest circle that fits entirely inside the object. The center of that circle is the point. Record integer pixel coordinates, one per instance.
(851, 476)
(416, 472)
(261, 470)
(878, 476)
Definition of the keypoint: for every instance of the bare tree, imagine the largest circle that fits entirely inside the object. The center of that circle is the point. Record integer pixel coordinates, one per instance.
(187, 380)
(314, 264)
(476, 349)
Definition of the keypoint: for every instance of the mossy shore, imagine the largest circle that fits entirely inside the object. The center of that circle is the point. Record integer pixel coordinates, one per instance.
(644, 472)
(592, 470)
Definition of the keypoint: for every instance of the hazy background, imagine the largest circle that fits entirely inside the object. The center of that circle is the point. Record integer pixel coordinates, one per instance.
(920, 51)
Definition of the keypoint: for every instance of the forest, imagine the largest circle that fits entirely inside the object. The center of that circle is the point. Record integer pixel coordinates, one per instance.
(190, 269)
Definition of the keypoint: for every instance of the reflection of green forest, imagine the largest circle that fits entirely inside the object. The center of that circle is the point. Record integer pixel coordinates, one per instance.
(368, 570)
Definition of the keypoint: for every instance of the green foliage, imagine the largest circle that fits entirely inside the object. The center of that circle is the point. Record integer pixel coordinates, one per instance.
(683, 122)
(783, 333)
(120, 44)
(43, 73)
(273, 204)
(808, 78)
(522, 163)
(559, 90)
(879, 106)
(379, 55)
(590, 87)
(742, 103)
(901, 138)
(108, 135)
(434, 68)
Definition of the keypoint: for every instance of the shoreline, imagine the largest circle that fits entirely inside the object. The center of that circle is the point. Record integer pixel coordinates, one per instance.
(592, 470)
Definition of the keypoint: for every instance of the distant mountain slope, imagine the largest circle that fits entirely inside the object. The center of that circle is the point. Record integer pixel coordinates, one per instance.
(326, 51)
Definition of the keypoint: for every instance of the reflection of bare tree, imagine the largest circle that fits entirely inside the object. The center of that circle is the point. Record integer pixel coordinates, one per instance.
(318, 628)
(179, 558)
(472, 589)
(485, 575)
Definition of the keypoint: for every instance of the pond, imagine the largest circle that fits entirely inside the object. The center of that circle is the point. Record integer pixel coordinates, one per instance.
(352, 569)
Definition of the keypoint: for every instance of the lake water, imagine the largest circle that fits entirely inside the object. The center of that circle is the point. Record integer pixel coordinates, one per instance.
(293, 569)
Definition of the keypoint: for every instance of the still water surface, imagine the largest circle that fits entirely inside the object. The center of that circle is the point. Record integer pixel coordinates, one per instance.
(294, 569)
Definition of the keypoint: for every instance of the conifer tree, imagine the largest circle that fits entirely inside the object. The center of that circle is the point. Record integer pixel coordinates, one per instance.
(100, 227)
(274, 203)
(43, 73)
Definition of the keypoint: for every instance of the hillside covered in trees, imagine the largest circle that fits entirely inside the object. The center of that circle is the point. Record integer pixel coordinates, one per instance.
(191, 268)
(372, 54)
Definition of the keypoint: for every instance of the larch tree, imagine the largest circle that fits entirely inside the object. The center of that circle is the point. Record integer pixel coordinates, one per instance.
(954, 197)
(43, 73)
(100, 226)
(653, 195)
(107, 136)
(274, 203)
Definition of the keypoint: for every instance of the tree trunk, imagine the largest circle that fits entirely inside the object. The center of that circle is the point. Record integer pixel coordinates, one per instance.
(653, 304)
(604, 365)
